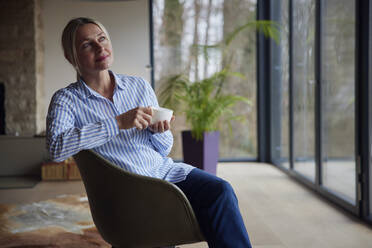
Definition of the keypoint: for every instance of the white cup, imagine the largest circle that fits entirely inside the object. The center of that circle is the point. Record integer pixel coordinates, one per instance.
(161, 114)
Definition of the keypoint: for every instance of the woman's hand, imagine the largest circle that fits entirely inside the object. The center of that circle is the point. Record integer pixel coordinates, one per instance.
(161, 126)
(139, 118)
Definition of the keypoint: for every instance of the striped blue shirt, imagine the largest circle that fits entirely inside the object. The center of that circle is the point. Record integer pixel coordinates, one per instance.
(79, 118)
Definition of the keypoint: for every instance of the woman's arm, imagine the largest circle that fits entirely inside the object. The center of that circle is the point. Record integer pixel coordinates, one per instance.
(162, 142)
(64, 139)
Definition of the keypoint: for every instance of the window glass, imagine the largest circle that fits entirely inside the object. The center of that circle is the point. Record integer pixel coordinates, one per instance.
(338, 96)
(304, 87)
(280, 86)
(178, 27)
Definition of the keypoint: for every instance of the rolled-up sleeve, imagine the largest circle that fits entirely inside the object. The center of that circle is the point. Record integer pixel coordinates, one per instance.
(162, 142)
(64, 139)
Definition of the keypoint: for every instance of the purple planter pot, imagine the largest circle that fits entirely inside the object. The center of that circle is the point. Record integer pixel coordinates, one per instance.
(202, 154)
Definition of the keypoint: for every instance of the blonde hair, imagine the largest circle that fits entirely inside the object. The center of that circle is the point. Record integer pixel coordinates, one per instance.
(69, 39)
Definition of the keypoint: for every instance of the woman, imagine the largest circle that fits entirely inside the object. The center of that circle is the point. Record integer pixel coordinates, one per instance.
(111, 114)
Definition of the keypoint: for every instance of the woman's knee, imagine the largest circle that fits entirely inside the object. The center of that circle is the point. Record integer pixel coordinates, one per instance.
(226, 188)
(217, 188)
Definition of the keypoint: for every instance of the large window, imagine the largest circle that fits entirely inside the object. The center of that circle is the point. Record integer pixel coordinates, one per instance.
(338, 96)
(320, 111)
(178, 27)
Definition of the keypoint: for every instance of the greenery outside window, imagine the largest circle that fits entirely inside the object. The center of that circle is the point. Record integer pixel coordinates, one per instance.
(181, 25)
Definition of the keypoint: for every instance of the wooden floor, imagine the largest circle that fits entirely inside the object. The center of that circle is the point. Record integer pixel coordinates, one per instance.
(278, 212)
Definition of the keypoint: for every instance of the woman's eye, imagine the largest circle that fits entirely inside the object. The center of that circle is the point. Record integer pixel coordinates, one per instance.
(102, 38)
(85, 45)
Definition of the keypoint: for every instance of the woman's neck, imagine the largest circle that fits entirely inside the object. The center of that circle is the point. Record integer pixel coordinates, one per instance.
(101, 82)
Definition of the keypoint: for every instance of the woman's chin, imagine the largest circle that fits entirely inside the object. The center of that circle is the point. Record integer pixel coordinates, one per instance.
(103, 67)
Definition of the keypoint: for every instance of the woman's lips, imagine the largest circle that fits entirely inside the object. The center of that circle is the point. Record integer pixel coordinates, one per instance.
(101, 58)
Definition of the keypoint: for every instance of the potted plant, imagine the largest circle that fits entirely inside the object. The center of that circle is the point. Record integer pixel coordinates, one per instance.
(205, 104)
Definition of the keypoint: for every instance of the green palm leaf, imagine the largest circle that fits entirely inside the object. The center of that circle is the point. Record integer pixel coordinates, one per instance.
(204, 102)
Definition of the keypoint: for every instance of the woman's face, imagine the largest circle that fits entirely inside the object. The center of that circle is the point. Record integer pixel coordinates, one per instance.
(93, 49)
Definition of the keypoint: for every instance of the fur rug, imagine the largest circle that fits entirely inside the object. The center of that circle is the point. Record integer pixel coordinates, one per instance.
(63, 222)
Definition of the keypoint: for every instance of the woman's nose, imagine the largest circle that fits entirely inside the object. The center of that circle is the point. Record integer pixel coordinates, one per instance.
(99, 47)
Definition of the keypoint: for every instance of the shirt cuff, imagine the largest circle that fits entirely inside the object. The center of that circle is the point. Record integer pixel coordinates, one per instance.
(163, 138)
(111, 126)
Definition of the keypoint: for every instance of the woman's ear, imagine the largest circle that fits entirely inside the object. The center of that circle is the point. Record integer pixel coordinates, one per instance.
(69, 59)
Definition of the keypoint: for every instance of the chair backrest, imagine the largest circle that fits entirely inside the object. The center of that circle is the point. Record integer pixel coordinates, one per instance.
(131, 210)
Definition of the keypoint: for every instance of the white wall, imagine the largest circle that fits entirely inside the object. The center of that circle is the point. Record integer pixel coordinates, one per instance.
(127, 23)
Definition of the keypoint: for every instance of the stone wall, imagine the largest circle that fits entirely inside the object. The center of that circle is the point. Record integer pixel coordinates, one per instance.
(21, 66)
(40, 89)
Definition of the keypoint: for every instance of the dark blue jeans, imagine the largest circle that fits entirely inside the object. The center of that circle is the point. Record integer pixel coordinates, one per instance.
(216, 208)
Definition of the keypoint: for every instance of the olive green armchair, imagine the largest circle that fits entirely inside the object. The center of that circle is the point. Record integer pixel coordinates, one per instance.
(131, 210)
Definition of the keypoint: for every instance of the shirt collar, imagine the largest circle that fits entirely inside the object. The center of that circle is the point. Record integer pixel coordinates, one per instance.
(83, 89)
(119, 82)
(86, 91)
